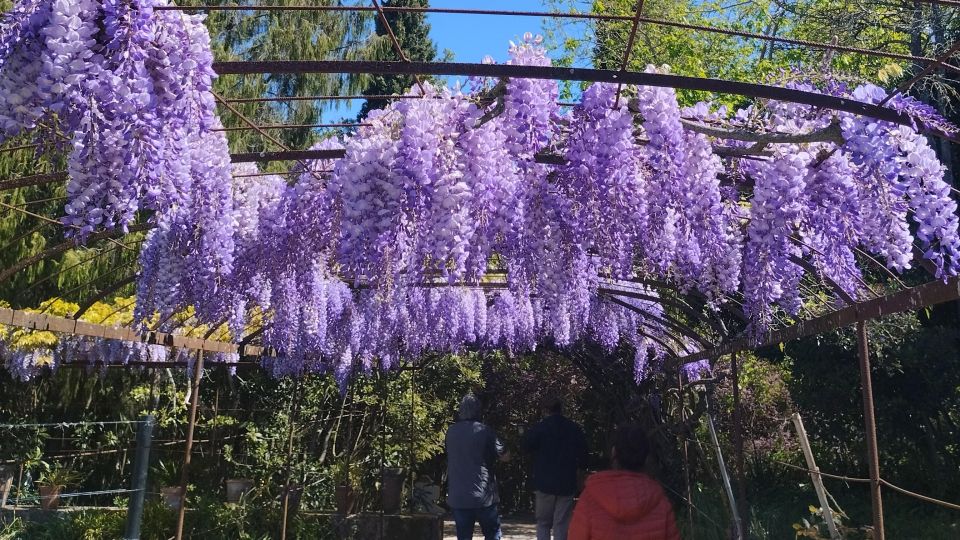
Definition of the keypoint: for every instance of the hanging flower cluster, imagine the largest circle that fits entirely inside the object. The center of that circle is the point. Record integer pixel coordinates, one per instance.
(96, 354)
(127, 89)
(479, 216)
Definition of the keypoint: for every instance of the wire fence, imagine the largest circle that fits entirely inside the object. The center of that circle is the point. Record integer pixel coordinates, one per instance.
(21, 500)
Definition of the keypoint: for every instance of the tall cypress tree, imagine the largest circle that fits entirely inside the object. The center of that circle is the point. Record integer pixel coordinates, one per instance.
(413, 35)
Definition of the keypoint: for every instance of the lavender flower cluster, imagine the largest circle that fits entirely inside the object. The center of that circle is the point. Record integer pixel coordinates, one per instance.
(441, 228)
(129, 90)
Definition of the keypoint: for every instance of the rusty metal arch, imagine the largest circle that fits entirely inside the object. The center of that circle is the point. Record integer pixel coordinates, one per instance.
(664, 331)
(683, 307)
(679, 82)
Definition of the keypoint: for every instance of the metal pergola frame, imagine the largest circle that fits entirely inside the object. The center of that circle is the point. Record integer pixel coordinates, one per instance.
(721, 342)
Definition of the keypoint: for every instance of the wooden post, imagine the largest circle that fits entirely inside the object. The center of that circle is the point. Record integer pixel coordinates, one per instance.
(870, 423)
(738, 459)
(815, 477)
(188, 450)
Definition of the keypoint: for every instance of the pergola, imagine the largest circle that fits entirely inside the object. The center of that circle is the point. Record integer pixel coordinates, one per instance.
(707, 328)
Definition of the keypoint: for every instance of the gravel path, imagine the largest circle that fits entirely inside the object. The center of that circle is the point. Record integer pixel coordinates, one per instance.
(512, 530)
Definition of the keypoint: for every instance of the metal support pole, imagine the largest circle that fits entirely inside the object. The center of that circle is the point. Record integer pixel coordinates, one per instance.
(686, 456)
(141, 461)
(294, 409)
(739, 462)
(412, 449)
(738, 525)
(815, 477)
(188, 449)
(870, 423)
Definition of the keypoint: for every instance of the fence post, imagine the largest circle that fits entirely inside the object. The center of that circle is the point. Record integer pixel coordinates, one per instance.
(739, 461)
(737, 523)
(138, 486)
(188, 449)
(870, 425)
(815, 476)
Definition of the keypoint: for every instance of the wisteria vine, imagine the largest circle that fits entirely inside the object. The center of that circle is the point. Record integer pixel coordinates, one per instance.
(443, 227)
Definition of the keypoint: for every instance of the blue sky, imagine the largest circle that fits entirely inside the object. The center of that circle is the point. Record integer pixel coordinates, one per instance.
(471, 37)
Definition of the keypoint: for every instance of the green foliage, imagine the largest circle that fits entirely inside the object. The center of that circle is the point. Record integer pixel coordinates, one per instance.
(873, 25)
(290, 35)
(79, 273)
(413, 36)
(60, 475)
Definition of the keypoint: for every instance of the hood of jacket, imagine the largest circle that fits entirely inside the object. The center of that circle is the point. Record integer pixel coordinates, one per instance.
(626, 496)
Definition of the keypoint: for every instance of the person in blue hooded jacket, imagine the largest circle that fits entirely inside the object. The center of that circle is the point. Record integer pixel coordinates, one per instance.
(472, 451)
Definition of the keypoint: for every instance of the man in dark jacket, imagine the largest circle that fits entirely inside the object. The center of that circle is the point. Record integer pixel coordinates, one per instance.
(559, 454)
(472, 450)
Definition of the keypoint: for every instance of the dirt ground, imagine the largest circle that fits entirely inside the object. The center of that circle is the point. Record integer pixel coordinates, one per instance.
(512, 530)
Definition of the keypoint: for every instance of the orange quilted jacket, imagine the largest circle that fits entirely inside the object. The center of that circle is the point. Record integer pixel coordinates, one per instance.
(622, 505)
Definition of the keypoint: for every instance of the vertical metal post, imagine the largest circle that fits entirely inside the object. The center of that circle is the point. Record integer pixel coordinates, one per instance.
(870, 423)
(383, 446)
(686, 456)
(815, 477)
(188, 449)
(738, 525)
(294, 409)
(141, 460)
(413, 429)
(738, 459)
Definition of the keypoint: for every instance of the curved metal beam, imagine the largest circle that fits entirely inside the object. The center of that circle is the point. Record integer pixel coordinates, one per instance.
(679, 82)
(682, 307)
(33, 180)
(665, 320)
(829, 282)
(114, 287)
(730, 307)
(67, 245)
(679, 328)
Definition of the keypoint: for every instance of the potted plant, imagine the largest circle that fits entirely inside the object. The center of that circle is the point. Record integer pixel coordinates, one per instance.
(165, 474)
(51, 483)
(345, 492)
(391, 489)
(237, 488)
(6, 482)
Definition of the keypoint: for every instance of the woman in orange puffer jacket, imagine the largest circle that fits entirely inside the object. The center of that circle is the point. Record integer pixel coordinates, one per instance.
(624, 503)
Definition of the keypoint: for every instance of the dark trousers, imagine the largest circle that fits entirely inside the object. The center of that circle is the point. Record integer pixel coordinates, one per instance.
(466, 518)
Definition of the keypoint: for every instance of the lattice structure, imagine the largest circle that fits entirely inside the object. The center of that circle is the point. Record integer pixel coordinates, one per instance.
(715, 332)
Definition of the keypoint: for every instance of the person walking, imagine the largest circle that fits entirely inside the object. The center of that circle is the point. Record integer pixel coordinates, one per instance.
(624, 502)
(559, 452)
(472, 450)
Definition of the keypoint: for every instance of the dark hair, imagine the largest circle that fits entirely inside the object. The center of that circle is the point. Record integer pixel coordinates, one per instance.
(631, 447)
(469, 408)
(552, 404)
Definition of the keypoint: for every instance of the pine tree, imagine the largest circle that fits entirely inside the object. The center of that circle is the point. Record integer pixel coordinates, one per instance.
(413, 35)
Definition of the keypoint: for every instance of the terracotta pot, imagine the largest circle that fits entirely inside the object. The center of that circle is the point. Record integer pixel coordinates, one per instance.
(50, 497)
(237, 488)
(345, 497)
(391, 489)
(6, 482)
(171, 496)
